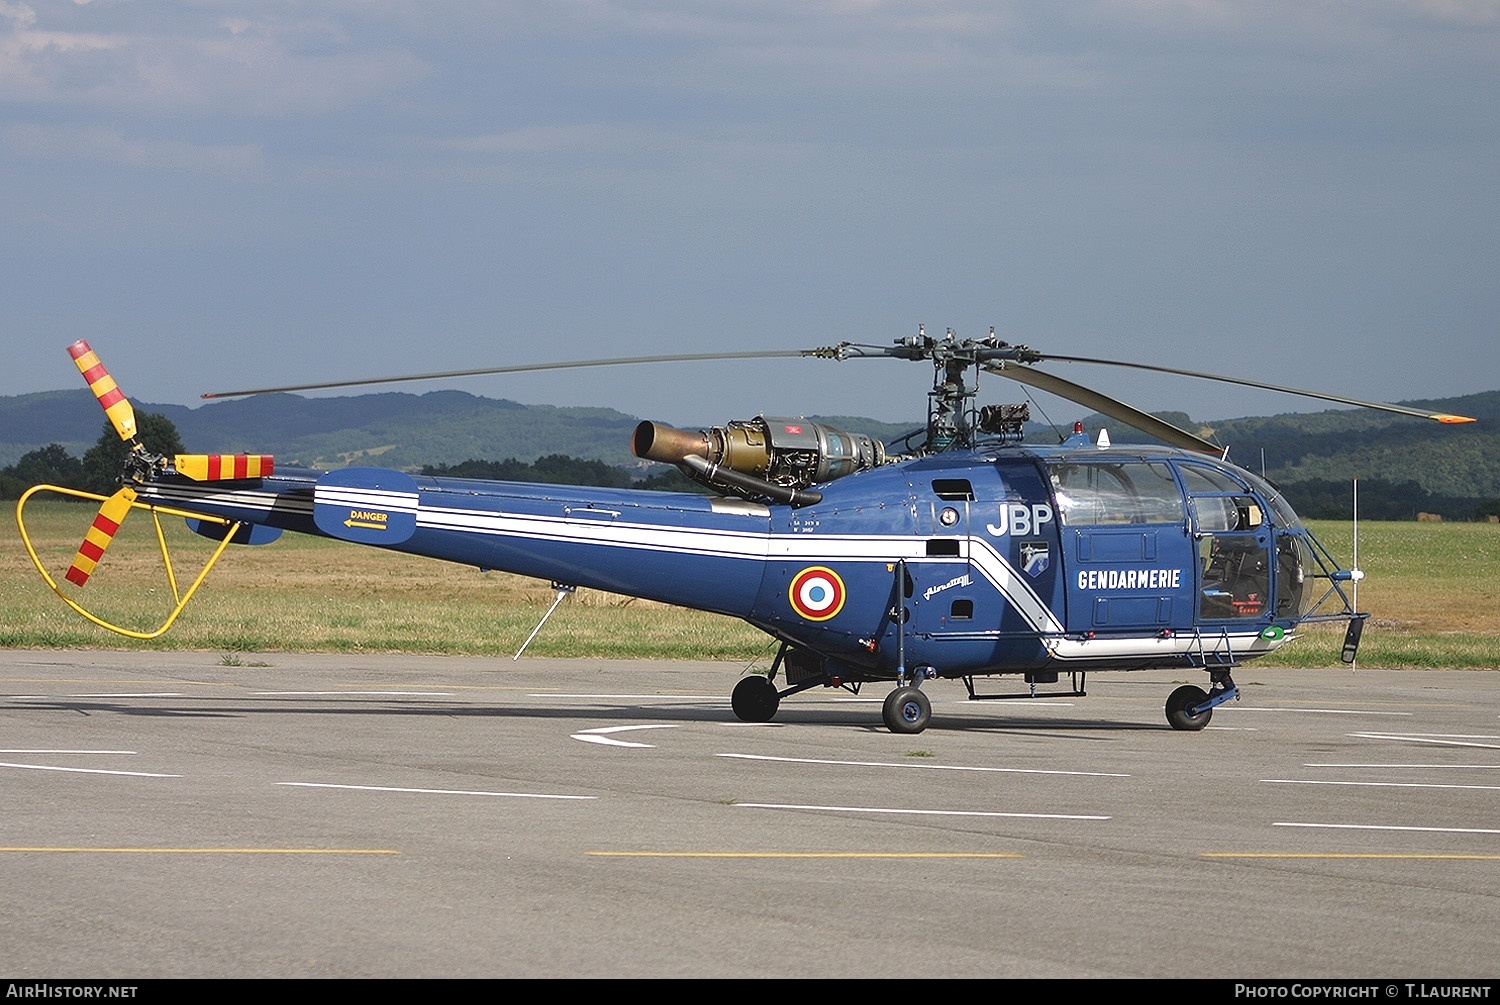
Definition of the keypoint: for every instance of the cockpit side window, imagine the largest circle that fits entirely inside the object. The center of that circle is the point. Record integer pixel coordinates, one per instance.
(1228, 522)
(1219, 502)
(1116, 493)
(1281, 511)
(1216, 514)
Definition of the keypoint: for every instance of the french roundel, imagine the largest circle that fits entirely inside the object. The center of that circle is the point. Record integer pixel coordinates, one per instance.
(817, 593)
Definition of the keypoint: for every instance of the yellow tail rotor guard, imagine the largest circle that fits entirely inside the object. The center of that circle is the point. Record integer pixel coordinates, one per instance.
(179, 599)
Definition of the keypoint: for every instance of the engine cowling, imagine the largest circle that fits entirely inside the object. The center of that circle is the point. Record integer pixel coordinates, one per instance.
(774, 458)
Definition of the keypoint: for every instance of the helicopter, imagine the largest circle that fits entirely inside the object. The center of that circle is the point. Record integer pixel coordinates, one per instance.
(956, 552)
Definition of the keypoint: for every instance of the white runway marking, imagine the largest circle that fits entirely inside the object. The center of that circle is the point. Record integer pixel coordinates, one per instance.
(1423, 767)
(1446, 740)
(1387, 827)
(136, 694)
(87, 771)
(634, 697)
(1389, 785)
(43, 751)
(937, 813)
(353, 694)
(930, 767)
(1319, 711)
(432, 792)
(599, 735)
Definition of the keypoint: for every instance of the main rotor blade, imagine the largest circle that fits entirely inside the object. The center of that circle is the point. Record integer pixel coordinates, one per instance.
(1379, 405)
(522, 368)
(1105, 405)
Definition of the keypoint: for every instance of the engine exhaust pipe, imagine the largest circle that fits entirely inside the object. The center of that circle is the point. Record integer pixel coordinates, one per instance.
(730, 459)
(653, 441)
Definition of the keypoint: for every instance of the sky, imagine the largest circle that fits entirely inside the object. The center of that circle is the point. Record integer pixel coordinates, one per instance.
(222, 195)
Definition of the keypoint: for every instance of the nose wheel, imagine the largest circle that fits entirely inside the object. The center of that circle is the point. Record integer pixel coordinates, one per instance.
(907, 710)
(1190, 708)
(1181, 705)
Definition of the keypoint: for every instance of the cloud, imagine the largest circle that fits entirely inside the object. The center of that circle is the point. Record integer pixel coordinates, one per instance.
(1303, 180)
(107, 145)
(261, 66)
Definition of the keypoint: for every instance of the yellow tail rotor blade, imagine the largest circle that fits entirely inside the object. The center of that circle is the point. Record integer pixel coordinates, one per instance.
(116, 405)
(106, 524)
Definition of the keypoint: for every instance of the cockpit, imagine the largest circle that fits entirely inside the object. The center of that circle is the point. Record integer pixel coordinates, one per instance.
(1251, 550)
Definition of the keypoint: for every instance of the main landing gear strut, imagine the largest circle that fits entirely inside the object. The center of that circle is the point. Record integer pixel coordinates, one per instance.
(906, 710)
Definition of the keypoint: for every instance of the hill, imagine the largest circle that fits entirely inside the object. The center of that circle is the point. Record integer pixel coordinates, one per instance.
(395, 430)
(1450, 468)
(1412, 465)
(391, 429)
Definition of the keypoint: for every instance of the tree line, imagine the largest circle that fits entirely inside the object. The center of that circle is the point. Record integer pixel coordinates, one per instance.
(560, 469)
(98, 471)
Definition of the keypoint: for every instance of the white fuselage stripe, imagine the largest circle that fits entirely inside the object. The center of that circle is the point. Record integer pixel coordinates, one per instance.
(340, 495)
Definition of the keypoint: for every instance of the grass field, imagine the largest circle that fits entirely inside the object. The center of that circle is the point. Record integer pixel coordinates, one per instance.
(1431, 590)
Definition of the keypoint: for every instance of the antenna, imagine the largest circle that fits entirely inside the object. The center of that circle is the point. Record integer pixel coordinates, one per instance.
(1353, 576)
(1356, 539)
(1355, 570)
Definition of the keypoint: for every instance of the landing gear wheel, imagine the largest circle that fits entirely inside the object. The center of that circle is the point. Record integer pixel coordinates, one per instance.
(907, 710)
(754, 699)
(1184, 698)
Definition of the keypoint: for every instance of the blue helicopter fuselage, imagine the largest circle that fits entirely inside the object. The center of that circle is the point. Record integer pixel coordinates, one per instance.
(1004, 560)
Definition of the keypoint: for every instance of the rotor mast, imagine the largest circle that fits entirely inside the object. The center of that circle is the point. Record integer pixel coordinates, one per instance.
(952, 418)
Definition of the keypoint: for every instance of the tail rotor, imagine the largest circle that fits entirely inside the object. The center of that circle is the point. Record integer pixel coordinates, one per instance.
(121, 416)
(141, 464)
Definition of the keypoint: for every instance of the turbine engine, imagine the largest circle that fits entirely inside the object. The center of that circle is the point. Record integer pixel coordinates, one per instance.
(768, 458)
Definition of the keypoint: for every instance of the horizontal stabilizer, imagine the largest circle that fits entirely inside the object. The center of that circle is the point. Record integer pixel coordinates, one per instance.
(224, 467)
